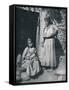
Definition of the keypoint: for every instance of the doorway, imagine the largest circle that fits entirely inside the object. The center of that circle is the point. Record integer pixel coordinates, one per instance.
(26, 26)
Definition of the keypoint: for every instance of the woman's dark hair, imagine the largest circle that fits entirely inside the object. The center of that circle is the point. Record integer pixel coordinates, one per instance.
(29, 38)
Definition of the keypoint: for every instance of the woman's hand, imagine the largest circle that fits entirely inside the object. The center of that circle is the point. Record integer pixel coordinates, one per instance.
(32, 56)
(23, 61)
(28, 58)
(42, 44)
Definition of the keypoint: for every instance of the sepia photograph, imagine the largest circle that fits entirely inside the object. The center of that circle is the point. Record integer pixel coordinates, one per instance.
(41, 44)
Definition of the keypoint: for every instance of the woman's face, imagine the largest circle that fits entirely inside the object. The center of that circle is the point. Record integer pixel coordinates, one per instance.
(30, 43)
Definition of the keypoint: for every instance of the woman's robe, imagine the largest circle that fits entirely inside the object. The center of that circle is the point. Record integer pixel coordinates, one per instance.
(49, 54)
(31, 64)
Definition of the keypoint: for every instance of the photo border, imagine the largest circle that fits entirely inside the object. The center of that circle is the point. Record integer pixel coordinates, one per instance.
(47, 82)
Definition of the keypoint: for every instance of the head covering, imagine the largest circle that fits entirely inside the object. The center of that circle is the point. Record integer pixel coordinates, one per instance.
(48, 19)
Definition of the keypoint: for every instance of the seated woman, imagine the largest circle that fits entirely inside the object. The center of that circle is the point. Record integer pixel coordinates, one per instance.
(30, 60)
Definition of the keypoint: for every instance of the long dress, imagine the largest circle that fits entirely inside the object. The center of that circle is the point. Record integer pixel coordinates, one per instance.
(49, 55)
(31, 64)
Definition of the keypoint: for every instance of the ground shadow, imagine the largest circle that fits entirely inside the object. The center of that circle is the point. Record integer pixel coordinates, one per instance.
(59, 50)
(37, 75)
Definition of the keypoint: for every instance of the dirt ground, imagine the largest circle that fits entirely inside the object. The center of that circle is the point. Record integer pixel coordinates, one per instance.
(48, 76)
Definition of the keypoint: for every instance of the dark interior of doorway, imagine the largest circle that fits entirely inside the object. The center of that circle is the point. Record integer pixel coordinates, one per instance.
(26, 26)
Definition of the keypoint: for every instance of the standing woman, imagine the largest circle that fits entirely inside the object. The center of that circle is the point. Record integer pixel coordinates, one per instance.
(49, 34)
